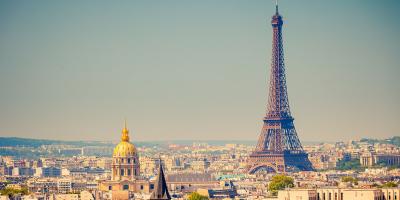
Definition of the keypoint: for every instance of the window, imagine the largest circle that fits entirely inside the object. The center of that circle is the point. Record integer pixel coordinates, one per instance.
(330, 196)
(125, 187)
(129, 160)
(151, 186)
(141, 187)
(109, 187)
(122, 160)
(122, 172)
(129, 172)
(341, 195)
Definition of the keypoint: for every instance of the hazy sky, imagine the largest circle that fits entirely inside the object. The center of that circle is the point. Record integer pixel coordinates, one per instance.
(179, 69)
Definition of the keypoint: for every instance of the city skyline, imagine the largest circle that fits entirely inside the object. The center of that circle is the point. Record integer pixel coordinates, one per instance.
(176, 73)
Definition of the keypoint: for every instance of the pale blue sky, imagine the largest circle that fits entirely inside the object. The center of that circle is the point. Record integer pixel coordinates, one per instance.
(182, 69)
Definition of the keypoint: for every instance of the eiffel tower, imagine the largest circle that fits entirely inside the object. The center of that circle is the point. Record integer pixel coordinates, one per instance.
(278, 149)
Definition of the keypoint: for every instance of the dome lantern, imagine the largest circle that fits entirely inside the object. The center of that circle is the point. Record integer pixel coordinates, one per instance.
(125, 134)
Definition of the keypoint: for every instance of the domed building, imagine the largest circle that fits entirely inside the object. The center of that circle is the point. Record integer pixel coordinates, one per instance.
(125, 164)
(125, 171)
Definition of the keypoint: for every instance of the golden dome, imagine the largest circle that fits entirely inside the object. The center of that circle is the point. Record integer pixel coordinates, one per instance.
(124, 148)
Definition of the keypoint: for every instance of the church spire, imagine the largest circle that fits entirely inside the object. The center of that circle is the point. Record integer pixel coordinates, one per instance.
(160, 186)
(276, 7)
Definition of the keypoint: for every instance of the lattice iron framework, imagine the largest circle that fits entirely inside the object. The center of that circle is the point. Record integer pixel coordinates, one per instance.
(278, 146)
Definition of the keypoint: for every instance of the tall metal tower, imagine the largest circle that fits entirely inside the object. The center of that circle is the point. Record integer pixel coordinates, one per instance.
(278, 148)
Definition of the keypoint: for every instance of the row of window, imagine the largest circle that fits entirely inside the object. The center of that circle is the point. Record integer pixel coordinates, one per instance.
(123, 160)
(128, 172)
(126, 187)
(329, 197)
(394, 196)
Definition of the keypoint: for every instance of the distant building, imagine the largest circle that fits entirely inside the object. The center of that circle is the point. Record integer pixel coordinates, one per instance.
(22, 171)
(104, 163)
(64, 197)
(371, 159)
(147, 165)
(96, 151)
(295, 194)
(37, 163)
(125, 172)
(190, 182)
(85, 195)
(172, 164)
(321, 161)
(70, 151)
(340, 194)
(48, 172)
(226, 191)
(64, 185)
(6, 170)
(200, 165)
(125, 164)
(78, 186)
(391, 193)
(43, 185)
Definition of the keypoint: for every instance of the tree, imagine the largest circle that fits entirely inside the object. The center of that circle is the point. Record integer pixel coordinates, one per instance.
(389, 184)
(280, 182)
(197, 196)
(353, 164)
(350, 179)
(12, 192)
(24, 191)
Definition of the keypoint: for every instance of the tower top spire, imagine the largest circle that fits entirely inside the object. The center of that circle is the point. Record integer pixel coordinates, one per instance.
(276, 18)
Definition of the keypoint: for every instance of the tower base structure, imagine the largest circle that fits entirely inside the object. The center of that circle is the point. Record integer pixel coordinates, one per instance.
(278, 162)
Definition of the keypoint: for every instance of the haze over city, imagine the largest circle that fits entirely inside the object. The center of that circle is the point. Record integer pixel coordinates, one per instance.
(196, 69)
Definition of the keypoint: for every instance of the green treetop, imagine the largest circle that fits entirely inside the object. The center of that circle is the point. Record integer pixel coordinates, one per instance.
(197, 196)
(389, 184)
(280, 182)
(349, 179)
